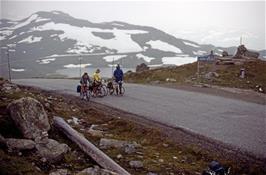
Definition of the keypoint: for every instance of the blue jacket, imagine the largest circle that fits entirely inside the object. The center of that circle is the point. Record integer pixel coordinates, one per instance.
(118, 74)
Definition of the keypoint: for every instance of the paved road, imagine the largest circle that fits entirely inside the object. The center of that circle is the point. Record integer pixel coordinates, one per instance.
(241, 124)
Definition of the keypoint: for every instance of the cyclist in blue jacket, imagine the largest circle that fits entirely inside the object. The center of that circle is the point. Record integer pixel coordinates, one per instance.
(119, 75)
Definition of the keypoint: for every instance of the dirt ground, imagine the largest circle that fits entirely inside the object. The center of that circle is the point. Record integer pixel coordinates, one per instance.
(165, 150)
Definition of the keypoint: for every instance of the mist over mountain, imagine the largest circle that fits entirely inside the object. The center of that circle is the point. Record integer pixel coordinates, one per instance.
(49, 41)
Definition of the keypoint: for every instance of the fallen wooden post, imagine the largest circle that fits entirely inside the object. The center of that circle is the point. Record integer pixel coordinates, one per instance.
(100, 157)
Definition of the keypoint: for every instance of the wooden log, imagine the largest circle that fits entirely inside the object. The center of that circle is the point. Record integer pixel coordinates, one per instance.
(96, 154)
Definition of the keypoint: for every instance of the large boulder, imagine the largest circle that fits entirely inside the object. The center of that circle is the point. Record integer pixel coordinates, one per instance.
(51, 150)
(9, 88)
(30, 117)
(20, 144)
(142, 67)
(243, 52)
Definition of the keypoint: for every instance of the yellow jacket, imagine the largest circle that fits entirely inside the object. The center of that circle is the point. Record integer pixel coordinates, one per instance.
(97, 77)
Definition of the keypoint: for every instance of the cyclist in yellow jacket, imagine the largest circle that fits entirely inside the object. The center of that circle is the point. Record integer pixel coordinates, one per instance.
(97, 77)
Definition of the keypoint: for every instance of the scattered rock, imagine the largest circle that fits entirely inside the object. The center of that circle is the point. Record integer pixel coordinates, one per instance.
(150, 173)
(29, 116)
(19, 144)
(170, 80)
(142, 67)
(129, 149)
(211, 75)
(161, 160)
(136, 164)
(9, 88)
(112, 143)
(119, 156)
(59, 172)
(96, 171)
(225, 54)
(165, 145)
(95, 132)
(52, 151)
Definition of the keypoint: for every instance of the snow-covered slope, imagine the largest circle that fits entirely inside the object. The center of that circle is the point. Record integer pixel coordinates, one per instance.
(47, 41)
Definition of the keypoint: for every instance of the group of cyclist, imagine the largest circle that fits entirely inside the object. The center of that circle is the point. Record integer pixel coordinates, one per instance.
(118, 76)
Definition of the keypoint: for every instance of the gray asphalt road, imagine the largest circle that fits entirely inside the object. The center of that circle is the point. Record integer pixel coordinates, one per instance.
(241, 124)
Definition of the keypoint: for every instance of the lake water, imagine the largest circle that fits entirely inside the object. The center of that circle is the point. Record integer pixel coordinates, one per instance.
(75, 72)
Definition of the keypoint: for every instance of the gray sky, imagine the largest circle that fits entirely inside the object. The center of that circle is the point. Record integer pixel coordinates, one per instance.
(220, 23)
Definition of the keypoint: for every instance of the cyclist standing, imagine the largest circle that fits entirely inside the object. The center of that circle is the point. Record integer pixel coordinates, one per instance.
(97, 80)
(119, 75)
(85, 79)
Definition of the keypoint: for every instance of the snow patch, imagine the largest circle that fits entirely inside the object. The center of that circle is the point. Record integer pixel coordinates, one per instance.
(17, 70)
(78, 49)
(30, 39)
(13, 37)
(146, 58)
(155, 65)
(24, 23)
(39, 19)
(122, 41)
(220, 50)
(199, 52)
(191, 44)
(45, 61)
(77, 65)
(111, 58)
(158, 44)
(178, 60)
(5, 33)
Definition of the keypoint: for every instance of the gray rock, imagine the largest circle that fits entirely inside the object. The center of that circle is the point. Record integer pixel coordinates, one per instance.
(96, 171)
(142, 67)
(59, 172)
(150, 173)
(19, 144)
(170, 80)
(95, 132)
(112, 143)
(129, 149)
(10, 88)
(52, 150)
(211, 75)
(29, 116)
(136, 164)
(124, 145)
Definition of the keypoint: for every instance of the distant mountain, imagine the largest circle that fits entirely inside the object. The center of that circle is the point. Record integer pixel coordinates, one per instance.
(48, 41)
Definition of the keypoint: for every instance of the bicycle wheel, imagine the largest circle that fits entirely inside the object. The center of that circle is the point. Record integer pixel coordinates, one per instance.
(105, 89)
(87, 96)
(101, 91)
(122, 91)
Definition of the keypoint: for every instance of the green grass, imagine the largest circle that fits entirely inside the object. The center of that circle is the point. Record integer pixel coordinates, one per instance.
(187, 75)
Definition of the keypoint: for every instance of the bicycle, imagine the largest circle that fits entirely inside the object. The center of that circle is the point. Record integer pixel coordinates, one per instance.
(98, 90)
(119, 88)
(86, 94)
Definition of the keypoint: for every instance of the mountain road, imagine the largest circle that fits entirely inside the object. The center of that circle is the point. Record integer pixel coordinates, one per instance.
(238, 123)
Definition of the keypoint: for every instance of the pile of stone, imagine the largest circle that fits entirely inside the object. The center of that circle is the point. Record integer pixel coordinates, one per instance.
(142, 67)
(31, 119)
(242, 55)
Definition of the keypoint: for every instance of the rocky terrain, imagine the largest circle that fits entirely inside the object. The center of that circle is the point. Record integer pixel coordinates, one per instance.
(31, 144)
(223, 72)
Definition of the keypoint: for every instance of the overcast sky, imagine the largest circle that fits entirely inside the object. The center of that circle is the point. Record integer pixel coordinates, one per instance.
(220, 23)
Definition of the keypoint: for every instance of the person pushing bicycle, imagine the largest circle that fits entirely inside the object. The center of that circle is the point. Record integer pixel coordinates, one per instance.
(118, 76)
(85, 79)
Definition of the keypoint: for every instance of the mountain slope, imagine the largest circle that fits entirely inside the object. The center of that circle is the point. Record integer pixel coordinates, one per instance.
(48, 41)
